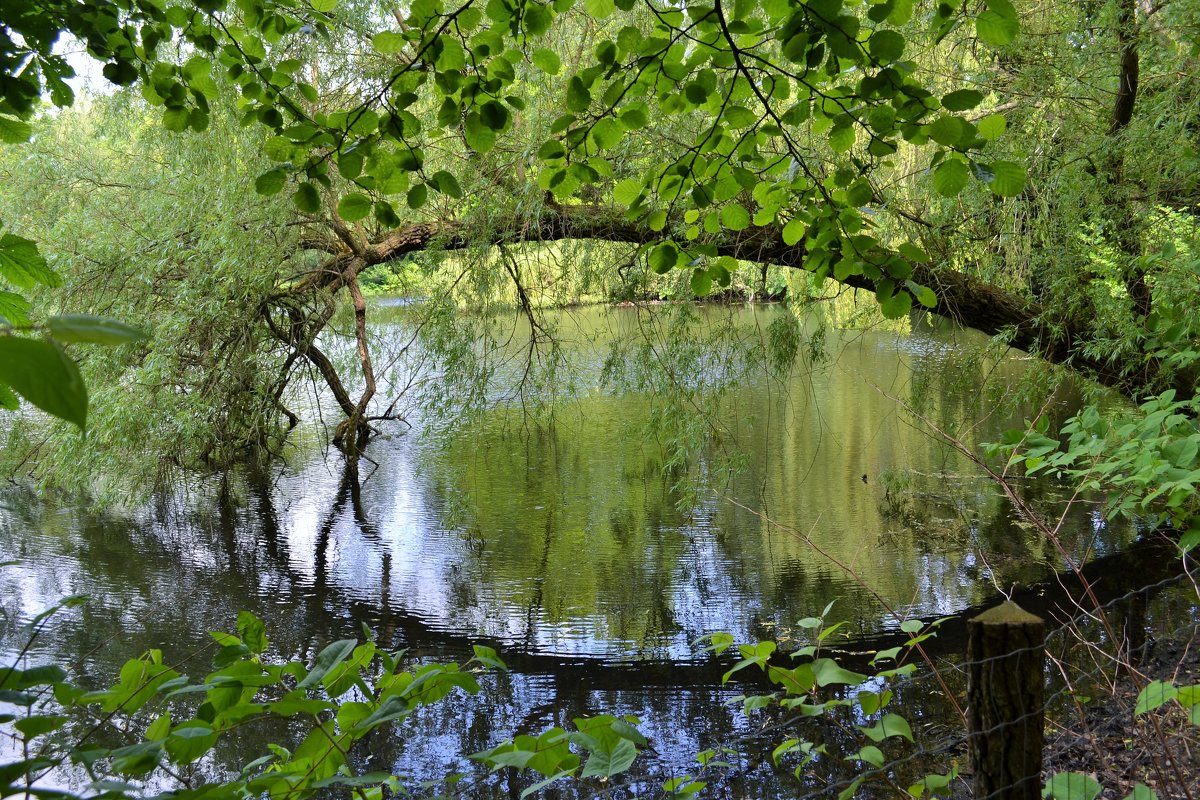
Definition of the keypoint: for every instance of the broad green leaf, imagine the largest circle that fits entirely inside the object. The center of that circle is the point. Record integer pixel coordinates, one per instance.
(446, 183)
(190, 741)
(388, 42)
(136, 759)
(1008, 178)
(606, 763)
(39, 724)
(889, 725)
(22, 264)
(1155, 694)
(950, 177)
(947, 130)
(870, 754)
(885, 46)
(734, 217)
(701, 282)
(992, 127)
(962, 100)
(97, 330)
(923, 294)
(842, 138)
(995, 29)
(306, 198)
(252, 631)
(44, 375)
(326, 660)
(1142, 792)
(14, 131)
(487, 656)
(547, 61)
(896, 306)
(354, 207)
(176, 119)
(417, 196)
(270, 182)
(794, 231)
(664, 257)
(599, 9)
(478, 135)
(827, 672)
(1072, 786)
(14, 309)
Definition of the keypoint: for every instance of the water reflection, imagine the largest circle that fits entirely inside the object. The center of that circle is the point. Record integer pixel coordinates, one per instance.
(564, 541)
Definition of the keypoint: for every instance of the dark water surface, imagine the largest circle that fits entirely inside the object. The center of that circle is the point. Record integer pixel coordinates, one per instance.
(566, 544)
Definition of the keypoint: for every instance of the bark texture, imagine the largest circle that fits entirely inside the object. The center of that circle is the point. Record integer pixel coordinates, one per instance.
(1005, 656)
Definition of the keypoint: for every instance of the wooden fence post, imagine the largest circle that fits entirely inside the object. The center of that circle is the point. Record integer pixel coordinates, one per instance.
(1006, 655)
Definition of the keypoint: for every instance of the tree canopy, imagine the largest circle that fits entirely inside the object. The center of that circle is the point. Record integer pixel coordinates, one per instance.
(1002, 166)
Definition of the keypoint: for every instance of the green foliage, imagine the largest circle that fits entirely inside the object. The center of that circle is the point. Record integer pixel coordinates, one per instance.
(319, 713)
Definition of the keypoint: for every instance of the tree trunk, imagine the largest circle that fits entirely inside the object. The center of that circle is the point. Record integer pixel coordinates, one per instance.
(964, 299)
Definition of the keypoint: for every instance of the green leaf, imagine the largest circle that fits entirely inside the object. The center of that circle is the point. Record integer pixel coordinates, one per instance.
(924, 295)
(22, 264)
(15, 309)
(44, 375)
(354, 207)
(896, 306)
(252, 631)
(306, 198)
(841, 138)
(890, 725)
(478, 135)
(992, 127)
(664, 257)
(607, 133)
(1142, 792)
(1155, 694)
(14, 131)
(547, 61)
(328, 658)
(885, 46)
(701, 282)
(270, 182)
(388, 42)
(995, 29)
(1008, 178)
(186, 744)
(97, 330)
(417, 196)
(871, 755)
(947, 130)
(37, 725)
(962, 100)
(599, 9)
(606, 763)
(735, 218)
(794, 231)
(176, 119)
(826, 671)
(8, 400)
(487, 656)
(447, 184)
(1072, 786)
(950, 177)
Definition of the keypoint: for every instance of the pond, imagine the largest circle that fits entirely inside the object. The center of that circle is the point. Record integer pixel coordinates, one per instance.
(592, 546)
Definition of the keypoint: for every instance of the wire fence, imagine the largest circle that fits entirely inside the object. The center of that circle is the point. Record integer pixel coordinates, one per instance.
(1092, 668)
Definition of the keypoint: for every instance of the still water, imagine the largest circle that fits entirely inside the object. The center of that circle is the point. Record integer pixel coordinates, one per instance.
(593, 545)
